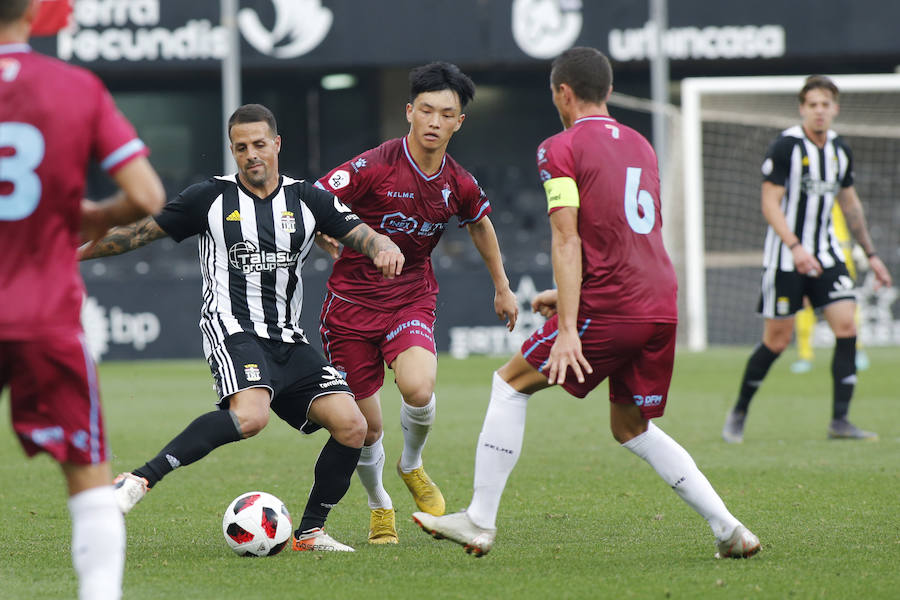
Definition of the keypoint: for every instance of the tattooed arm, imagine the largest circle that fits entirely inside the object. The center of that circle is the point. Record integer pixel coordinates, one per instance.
(123, 239)
(383, 252)
(856, 223)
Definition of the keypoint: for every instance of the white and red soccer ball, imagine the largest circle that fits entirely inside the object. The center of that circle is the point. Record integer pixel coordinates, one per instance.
(257, 524)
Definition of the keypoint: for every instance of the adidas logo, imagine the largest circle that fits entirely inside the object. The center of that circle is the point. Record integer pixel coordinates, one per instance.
(234, 216)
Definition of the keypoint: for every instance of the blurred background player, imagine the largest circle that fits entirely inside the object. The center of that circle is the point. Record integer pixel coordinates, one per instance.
(805, 319)
(255, 231)
(45, 150)
(613, 315)
(806, 169)
(408, 189)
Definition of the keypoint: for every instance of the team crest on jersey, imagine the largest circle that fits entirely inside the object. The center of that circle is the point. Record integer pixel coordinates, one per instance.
(9, 68)
(446, 194)
(288, 223)
(252, 372)
(339, 179)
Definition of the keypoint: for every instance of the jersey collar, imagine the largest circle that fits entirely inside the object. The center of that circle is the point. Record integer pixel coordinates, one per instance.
(416, 167)
(594, 118)
(17, 47)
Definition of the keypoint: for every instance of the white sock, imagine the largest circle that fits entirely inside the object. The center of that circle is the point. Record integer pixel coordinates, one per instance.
(499, 446)
(370, 469)
(98, 543)
(678, 469)
(416, 423)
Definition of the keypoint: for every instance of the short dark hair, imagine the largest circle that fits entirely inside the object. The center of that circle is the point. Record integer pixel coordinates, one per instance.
(252, 113)
(586, 70)
(817, 82)
(12, 10)
(438, 76)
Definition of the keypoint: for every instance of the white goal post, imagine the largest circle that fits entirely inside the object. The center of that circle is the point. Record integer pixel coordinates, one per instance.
(768, 104)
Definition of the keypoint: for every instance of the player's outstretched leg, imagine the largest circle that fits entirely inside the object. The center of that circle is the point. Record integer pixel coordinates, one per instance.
(459, 528)
(333, 472)
(205, 433)
(680, 472)
(416, 422)
(757, 367)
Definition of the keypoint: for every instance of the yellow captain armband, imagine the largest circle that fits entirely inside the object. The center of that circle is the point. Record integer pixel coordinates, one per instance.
(561, 191)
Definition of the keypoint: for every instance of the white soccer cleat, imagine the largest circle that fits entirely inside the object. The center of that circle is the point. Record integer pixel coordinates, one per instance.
(129, 490)
(459, 528)
(740, 544)
(319, 541)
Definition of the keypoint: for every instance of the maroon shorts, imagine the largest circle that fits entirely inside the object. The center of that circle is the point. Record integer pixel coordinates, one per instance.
(55, 398)
(637, 358)
(358, 341)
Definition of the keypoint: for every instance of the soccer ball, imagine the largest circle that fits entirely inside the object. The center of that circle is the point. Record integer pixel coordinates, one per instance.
(257, 524)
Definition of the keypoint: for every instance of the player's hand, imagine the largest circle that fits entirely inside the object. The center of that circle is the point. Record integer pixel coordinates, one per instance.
(390, 262)
(506, 305)
(882, 275)
(566, 354)
(545, 303)
(805, 262)
(328, 244)
(94, 221)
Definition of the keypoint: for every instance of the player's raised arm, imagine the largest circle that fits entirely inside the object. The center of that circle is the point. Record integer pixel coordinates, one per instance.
(384, 253)
(485, 239)
(123, 239)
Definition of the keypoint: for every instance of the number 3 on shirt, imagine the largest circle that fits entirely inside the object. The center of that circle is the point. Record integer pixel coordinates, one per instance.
(636, 197)
(28, 152)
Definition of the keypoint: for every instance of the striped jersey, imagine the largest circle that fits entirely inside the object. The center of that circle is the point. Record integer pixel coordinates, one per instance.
(251, 252)
(812, 178)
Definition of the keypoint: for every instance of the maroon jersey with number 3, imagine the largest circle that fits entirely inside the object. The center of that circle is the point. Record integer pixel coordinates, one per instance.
(391, 194)
(627, 274)
(54, 118)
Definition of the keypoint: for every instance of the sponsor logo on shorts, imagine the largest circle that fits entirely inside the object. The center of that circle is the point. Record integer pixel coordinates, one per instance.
(782, 305)
(421, 329)
(331, 377)
(843, 288)
(47, 435)
(648, 400)
(252, 373)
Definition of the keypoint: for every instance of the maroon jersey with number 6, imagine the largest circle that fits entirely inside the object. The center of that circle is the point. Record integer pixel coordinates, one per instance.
(627, 274)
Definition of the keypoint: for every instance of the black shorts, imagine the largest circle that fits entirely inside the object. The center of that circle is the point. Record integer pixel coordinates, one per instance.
(783, 291)
(294, 373)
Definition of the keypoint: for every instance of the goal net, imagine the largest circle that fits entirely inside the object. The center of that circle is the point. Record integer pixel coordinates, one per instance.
(727, 124)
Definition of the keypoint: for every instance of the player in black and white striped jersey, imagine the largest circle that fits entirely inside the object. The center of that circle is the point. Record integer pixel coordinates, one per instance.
(807, 169)
(255, 230)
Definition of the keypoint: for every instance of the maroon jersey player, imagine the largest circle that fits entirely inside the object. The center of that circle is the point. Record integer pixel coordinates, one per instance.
(613, 314)
(407, 189)
(54, 119)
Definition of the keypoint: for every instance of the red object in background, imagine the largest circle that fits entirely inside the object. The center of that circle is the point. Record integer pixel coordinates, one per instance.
(52, 15)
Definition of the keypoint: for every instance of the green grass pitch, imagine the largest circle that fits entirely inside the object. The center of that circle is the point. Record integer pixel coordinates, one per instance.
(581, 517)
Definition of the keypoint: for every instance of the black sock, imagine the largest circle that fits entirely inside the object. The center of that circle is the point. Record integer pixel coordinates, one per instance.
(205, 434)
(757, 367)
(332, 480)
(843, 370)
